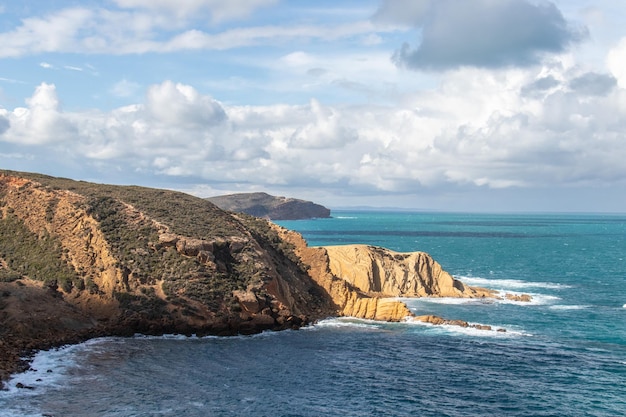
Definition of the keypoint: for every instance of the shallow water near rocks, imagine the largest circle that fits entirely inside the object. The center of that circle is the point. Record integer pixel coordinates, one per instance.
(564, 353)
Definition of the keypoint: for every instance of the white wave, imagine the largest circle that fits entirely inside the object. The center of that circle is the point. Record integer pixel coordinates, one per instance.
(345, 322)
(624, 306)
(568, 307)
(168, 337)
(537, 299)
(47, 368)
(469, 331)
(509, 283)
(345, 217)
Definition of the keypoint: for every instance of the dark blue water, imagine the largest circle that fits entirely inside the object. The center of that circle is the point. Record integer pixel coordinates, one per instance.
(564, 354)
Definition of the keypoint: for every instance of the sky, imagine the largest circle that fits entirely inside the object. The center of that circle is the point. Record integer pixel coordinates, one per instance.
(452, 105)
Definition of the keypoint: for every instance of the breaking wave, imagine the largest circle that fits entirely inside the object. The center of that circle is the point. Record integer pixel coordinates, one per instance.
(509, 283)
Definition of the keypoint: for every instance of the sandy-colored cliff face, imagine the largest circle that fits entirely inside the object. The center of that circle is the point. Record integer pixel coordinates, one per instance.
(348, 299)
(363, 280)
(383, 272)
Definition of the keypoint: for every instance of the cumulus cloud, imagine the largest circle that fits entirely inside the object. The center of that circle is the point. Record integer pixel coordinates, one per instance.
(615, 62)
(170, 103)
(324, 131)
(476, 129)
(480, 33)
(42, 122)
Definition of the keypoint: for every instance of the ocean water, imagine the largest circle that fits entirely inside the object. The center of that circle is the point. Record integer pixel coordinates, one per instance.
(563, 354)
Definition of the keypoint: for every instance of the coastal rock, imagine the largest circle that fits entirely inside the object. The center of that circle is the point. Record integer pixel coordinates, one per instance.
(439, 321)
(361, 280)
(387, 273)
(518, 297)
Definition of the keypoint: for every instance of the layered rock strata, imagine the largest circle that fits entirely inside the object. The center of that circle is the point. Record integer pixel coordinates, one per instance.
(366, 281)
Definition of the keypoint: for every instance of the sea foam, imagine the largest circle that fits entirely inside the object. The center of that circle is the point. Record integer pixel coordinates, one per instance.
(509, 283)
(345, 322)
(468, 331)
(568, 307)
(537, 299)
(47, 368)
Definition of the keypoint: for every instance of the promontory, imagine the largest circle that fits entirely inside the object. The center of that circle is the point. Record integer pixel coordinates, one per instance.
(80, 260)
(271, 207)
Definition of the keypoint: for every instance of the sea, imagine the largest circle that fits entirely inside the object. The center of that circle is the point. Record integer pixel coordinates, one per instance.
(562, 354)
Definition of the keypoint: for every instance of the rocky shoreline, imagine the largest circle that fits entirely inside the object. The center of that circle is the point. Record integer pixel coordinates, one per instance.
(34, 318)
(81, 260)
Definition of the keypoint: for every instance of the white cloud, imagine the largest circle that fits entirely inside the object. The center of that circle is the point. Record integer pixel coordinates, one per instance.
(219, 10)
(42, 122)
(616, 60)
(160, 26)
(324, 131)
(477, 129)
(170, 103)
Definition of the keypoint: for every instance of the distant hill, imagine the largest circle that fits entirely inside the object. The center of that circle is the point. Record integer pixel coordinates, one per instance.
(272, 207)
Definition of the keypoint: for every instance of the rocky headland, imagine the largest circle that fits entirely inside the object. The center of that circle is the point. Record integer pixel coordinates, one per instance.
(271, 207)
(80, 260)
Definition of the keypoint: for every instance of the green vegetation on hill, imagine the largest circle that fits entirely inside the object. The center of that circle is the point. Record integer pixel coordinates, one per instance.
(37, 257)
(183, 213)
(134, 241)
(272, 207)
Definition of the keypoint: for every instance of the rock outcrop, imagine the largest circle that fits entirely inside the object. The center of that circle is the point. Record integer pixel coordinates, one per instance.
(270, 207)
(366, 281)
(383, 272)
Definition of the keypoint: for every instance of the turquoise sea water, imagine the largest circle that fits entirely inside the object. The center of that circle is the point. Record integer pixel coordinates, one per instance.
(563, 354)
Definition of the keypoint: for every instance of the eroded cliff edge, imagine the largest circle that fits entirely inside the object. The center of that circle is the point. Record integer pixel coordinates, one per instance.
(79, 260)
(366, 281)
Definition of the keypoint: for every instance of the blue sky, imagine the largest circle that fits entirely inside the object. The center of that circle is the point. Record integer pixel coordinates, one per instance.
(474, 105)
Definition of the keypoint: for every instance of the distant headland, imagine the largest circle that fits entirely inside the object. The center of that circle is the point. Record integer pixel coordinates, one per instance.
(271, 207)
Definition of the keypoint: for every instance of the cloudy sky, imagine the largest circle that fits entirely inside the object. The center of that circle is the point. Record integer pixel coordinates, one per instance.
(458, 105)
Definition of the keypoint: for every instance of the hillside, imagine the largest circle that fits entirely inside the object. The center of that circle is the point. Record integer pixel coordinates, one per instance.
(80, 260)
(271, 207)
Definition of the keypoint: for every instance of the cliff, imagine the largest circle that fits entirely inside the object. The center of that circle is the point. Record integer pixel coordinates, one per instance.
(365, 281)
(271, 207)
(79, 260)
(383, 272)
